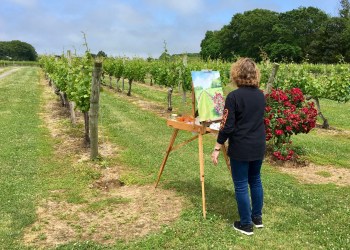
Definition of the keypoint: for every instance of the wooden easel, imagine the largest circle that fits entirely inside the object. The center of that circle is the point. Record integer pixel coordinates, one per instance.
(201, 130)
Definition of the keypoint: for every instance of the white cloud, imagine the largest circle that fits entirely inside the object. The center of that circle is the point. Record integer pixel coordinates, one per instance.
(24, 3)
(180, 6)
(126, 14)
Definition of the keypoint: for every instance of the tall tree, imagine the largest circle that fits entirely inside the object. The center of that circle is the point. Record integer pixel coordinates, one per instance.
(299, 27)
(296, 35)
(285, 52)
(344, 12)
(248, 33)
(101, 53)
(330, 44)
(211, 45)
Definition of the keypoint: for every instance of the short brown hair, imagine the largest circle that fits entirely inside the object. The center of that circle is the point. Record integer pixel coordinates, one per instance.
(244, 72)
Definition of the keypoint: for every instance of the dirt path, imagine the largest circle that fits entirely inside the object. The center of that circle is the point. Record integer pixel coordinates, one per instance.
(314, 174)
(8, 73)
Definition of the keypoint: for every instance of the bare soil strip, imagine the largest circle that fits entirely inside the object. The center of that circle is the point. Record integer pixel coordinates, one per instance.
(314, 174)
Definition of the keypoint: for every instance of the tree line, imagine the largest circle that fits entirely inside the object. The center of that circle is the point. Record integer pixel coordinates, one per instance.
(306, 34)
(17, 51)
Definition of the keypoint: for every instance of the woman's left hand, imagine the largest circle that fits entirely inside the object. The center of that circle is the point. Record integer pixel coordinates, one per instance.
(214, 157)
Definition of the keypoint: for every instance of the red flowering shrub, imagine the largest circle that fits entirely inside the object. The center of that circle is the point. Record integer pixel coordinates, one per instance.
(287, 113)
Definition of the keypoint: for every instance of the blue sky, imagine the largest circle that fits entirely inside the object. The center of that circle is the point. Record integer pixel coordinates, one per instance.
(205, 78)
(128, 27)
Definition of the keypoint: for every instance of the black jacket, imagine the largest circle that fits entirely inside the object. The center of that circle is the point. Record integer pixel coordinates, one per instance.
(243, 124)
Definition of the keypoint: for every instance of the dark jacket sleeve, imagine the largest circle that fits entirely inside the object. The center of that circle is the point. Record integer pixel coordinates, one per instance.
(228, 120)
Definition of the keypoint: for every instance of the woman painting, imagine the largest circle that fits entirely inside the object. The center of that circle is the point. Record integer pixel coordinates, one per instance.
(243, 126)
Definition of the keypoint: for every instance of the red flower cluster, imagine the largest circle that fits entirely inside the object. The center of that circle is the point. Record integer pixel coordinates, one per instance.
(297, 95)
(287, 113)
(279, 155)
(219, 102)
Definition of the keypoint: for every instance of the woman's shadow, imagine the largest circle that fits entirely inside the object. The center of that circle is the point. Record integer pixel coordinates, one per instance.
(220, 200)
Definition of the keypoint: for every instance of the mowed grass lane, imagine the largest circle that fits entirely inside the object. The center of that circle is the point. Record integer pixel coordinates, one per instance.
(23, 146)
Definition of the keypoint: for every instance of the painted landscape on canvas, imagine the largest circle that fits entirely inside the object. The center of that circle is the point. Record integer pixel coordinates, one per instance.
(209, 94)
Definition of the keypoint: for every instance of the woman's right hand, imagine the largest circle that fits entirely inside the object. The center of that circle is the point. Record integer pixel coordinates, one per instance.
(215, 156)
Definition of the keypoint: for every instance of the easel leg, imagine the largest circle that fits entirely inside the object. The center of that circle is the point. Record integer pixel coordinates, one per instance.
(201, 170)
(224, 152)
(172, 140)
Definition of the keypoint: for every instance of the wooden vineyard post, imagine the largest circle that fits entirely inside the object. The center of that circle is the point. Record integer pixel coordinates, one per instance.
(269, 84)
(71, 104)
(94, 107)
(72, 113)
(170, 92)
(87, 140)
(325, 121)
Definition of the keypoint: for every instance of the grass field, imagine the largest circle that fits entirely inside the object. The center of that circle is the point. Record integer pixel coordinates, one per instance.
(296, 215)
(25, 152)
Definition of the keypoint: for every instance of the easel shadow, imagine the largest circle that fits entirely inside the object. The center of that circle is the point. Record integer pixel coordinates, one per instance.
(219, 200)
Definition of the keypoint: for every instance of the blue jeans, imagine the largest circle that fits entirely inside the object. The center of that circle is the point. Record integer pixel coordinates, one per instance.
(244, 173)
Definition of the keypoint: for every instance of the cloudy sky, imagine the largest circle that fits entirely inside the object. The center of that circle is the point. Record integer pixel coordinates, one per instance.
(128, 27)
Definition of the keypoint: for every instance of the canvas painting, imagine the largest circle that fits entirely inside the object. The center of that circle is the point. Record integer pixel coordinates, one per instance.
(209, 96)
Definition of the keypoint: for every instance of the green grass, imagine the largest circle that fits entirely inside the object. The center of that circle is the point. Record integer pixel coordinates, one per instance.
(296, 216)
(22, 150)
(159, 95)
(324, 174)
(325, 149)
(337, 114)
